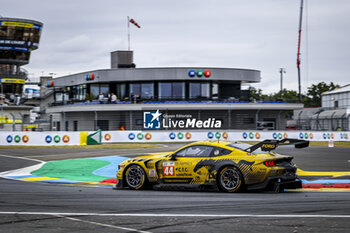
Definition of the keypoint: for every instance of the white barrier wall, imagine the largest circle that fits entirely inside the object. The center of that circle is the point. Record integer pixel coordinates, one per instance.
(39, 138)
(178, 136)
(73, 138)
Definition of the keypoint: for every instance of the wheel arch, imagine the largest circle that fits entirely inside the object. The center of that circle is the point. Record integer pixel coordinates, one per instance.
(129, 165)
(242, 185)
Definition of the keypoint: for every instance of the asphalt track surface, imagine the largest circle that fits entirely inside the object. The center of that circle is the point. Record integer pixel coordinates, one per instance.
(40, 207)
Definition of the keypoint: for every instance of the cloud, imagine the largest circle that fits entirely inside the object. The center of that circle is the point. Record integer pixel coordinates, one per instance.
(79, 36)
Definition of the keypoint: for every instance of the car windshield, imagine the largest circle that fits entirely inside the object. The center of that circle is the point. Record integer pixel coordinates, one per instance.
(195, 151)
(244, 146)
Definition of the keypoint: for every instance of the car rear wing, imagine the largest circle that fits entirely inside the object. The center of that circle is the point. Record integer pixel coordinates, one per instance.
(269, 144)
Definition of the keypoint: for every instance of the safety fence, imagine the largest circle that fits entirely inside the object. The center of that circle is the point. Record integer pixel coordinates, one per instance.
(61, 138)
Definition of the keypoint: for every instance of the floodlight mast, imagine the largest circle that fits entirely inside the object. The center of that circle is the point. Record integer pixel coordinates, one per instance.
(128, 18)
(299, 42)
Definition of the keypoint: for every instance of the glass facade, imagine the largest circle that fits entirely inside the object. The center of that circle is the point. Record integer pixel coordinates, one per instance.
(336, 100)
(96, 89)
(142, 90)
(17, 39)
(195, 90)
(14, 55)
(199, 90)
(171, 90)
(20, 33)
(78, 92)
(188, 90)
(121, 91)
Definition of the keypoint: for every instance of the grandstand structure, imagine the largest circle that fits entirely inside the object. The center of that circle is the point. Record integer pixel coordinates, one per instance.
(80, 102)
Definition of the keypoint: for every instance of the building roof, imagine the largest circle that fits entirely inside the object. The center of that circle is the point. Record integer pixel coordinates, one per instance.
(331, 114)
(342, 89)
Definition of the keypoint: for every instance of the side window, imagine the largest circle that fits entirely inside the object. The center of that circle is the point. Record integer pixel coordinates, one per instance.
(195, 151)
(220, 151)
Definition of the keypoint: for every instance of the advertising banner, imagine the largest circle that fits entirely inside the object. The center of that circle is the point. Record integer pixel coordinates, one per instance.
(74, 138)
(39, 138)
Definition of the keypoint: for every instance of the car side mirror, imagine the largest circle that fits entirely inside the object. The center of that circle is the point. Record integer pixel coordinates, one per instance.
(173, 157)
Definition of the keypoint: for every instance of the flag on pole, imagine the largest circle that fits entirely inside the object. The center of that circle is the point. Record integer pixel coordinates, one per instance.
(134, 22)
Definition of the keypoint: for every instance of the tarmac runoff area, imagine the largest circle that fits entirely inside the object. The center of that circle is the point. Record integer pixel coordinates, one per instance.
(101, 172)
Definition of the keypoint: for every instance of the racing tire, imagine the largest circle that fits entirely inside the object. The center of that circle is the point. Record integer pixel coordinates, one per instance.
(135, 177)
(230, 179)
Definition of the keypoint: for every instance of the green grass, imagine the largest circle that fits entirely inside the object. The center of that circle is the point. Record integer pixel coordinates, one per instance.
(73, 169)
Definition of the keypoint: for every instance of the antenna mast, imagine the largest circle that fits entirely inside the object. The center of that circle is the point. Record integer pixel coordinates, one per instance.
(299, 41)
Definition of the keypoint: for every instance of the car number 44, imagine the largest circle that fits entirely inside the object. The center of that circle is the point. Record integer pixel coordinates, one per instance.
(169, 169)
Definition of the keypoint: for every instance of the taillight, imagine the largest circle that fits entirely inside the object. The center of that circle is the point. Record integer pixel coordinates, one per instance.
(270, 163)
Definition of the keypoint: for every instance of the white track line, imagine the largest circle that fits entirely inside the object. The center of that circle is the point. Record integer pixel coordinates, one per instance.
(16, 157)
(184, 215)
(101, 224)
(21, 171)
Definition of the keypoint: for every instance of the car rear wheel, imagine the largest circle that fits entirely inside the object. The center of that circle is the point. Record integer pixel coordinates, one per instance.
(135, 177)
(230, 179)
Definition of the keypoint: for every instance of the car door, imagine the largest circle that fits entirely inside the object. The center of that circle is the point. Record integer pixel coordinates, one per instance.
(181, 168)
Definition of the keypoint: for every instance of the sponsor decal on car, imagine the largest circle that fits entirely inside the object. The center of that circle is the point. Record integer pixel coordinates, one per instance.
(152, 172)
(169, 169)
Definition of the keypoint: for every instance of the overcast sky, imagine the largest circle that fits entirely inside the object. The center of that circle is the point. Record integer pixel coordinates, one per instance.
(78, 36)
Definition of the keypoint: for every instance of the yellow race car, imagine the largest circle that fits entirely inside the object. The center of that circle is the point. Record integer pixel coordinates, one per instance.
(227, 166)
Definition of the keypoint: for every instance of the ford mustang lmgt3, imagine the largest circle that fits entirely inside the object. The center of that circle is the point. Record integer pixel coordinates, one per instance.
(228, 166)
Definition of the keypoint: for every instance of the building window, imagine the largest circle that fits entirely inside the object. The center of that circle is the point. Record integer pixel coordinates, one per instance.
(178, 90)
(199, 90)
(205, 93)
(142, 90)
(246, 120)
(59, 97)
(78, 92)
(121, 91)
(135, 89)
(75, 125)
(67, 126)
(147, 91)
(58, 126)
(102, 124)
(175, 90)
(164, 91)
(195, 90)
(104, 88)
(96, 89)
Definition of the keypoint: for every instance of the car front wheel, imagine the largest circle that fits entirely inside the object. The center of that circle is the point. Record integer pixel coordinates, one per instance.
(230, 179)
(135, 177)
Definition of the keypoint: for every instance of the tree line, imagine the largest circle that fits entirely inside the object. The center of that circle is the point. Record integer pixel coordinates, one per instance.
(312, 97)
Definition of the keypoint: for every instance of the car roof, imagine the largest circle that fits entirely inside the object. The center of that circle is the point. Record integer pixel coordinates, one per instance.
(212, 143)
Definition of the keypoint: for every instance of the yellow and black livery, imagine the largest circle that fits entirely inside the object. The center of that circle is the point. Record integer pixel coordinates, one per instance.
(228, 166)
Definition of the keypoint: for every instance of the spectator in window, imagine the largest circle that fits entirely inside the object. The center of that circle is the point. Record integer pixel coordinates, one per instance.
(101, 97)
(138, 98)
(132, 97)
(109, 96)
(114, 98)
